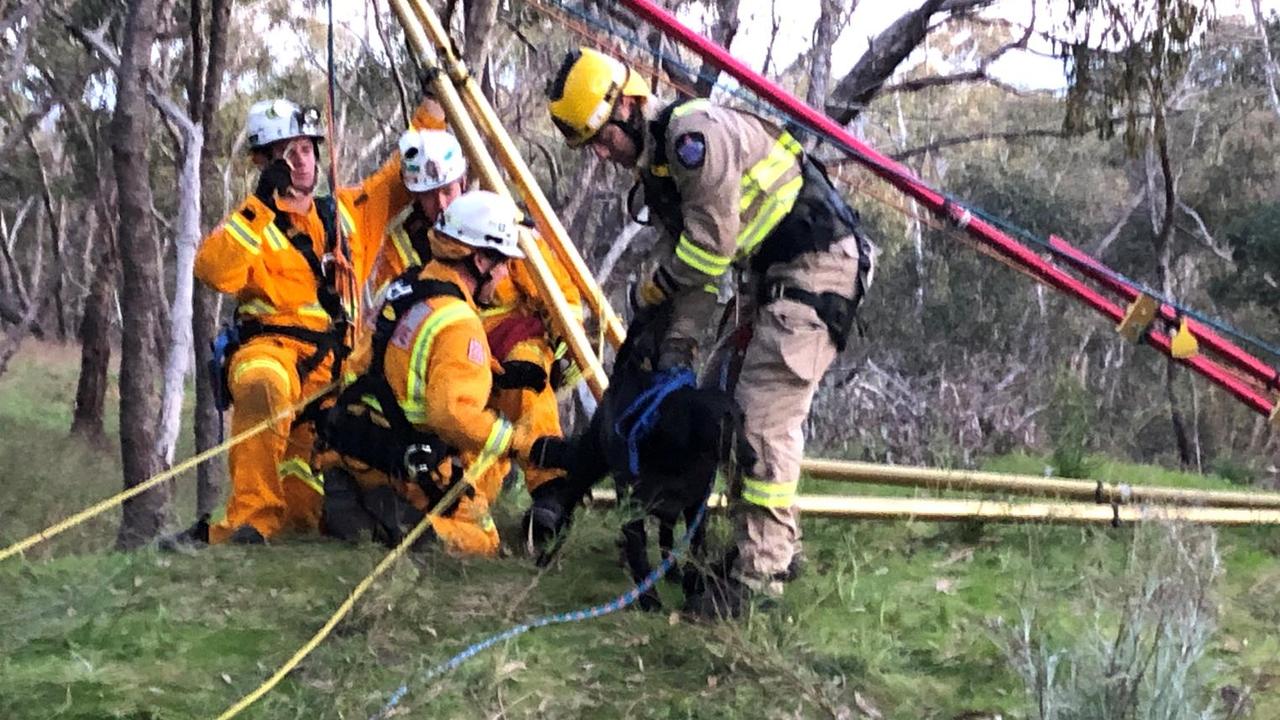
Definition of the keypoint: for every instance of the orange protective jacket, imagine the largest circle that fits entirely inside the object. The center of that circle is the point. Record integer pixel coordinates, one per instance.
(248, 257)
(438, 366)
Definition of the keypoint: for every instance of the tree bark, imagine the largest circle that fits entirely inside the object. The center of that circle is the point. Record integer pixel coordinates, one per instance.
(210, 476)
(95, 344)
(142, 296)
(482, 17)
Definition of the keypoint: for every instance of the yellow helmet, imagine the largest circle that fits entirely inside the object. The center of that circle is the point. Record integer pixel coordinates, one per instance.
(586, 90)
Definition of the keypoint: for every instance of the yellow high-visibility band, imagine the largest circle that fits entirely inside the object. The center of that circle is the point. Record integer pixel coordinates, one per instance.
(705, 262)
(415, 408)
(770, 495)
(237, 228)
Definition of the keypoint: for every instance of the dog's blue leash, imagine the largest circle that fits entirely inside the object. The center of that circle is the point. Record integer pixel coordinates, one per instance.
(622, 601)
(642, 414)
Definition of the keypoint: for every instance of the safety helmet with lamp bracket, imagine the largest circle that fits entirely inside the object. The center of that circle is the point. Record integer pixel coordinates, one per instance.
(279, 119)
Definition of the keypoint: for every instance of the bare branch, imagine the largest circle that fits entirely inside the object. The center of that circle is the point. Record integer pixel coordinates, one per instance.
(1221, 251)
(1134, 203)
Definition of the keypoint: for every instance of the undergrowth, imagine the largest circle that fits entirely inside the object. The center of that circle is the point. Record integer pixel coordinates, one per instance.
(894, 620)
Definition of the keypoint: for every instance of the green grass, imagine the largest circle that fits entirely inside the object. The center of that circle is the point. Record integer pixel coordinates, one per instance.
(904, 616)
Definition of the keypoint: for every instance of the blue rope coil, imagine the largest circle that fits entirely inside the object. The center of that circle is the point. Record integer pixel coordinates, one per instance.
(596, 611)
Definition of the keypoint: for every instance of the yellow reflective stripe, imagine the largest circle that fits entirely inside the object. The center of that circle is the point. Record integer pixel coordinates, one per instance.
(371, 401)
(767, 494)
(264, 363)
(298, 468)
(313, 310)
(499, 440)
(775, 208)
(495, 447)
(414, 405)
(705, 262)
(496, 310)
(660, 170)
(237, 228)
(691, 106)
(404, 248)
(762, 176)
(255, 307)
(275, 238)
(711, 288)
(348, 224)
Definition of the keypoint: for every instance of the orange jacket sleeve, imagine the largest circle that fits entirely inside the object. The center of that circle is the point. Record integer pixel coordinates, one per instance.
(231, 257)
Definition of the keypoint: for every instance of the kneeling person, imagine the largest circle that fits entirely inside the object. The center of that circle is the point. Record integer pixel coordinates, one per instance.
(415, 418)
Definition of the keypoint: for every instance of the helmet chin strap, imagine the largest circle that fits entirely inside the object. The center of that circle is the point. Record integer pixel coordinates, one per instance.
(632, 126)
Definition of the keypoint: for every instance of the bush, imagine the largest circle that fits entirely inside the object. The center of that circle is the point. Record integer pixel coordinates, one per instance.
(1140, 654)
(1071, 418)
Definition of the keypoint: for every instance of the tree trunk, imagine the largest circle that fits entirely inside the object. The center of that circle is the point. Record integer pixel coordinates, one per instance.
(141, 293)
(482, 17)
(95, 345)
(210, 476)
(180, 334)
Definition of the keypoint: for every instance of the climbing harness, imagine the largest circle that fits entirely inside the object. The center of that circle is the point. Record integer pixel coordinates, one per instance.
(643, 413)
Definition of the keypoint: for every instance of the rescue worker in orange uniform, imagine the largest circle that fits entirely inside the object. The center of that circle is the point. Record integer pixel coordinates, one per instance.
(729, 189)
(533, 365)
(293, 262)
(416, 418)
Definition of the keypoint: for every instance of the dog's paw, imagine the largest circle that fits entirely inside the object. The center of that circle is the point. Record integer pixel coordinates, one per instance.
(649, 601)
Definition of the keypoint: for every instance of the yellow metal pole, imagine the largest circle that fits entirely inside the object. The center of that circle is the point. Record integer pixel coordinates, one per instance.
(547, 221)
(482, 162)
(1098, 491)
(847, 507)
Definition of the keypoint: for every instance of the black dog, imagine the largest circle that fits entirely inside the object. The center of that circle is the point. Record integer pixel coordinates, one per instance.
(668, 470)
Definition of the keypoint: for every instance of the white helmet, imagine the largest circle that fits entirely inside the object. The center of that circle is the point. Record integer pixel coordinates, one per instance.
(484, 220)
(430, 159)
(279, 119)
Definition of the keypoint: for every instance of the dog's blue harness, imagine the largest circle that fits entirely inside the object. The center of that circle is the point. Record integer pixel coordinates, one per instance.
(634, 424)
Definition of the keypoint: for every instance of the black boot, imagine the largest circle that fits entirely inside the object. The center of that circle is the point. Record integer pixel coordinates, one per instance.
(247, 535)
(546, 518)
(726, 599)
(196, 536)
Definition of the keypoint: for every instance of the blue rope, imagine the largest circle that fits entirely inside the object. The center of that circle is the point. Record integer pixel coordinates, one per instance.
(596, 611)
(634, 424)
(741, 94)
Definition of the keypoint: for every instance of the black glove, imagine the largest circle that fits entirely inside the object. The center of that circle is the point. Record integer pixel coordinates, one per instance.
(275, 178)
(520, 374)
(551, 452)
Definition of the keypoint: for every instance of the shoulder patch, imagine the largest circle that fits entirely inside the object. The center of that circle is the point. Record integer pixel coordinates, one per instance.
(476, 353)
(691, 149)
(409, 324)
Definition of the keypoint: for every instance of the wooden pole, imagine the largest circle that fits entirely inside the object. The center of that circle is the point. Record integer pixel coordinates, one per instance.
(847, 507)
(462, 124)
(526, 184)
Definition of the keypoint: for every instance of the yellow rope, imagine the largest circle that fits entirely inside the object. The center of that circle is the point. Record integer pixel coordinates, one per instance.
(472, 472)
(154, 480)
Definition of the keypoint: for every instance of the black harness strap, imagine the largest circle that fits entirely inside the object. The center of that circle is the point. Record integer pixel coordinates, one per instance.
(389, 445)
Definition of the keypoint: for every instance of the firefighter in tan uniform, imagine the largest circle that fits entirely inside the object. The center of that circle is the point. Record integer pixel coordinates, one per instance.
(729, 189)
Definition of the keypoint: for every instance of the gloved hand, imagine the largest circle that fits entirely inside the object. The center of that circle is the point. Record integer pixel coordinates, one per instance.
(645, 296)
(551, 452)
(275, 178)
(520, 374)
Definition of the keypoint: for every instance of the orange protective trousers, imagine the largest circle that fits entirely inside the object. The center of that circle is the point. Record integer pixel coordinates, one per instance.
(275, 487)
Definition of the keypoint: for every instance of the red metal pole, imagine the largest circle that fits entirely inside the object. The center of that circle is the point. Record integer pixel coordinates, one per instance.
(1227, 349)
(902, 178)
